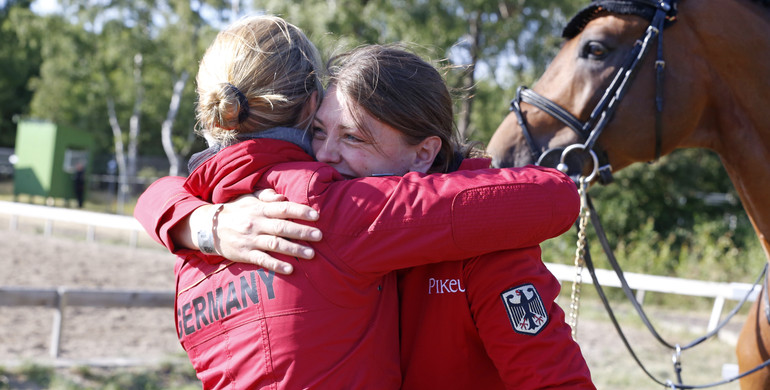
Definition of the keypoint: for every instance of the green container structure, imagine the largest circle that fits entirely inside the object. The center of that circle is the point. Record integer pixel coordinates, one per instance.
(49, 157)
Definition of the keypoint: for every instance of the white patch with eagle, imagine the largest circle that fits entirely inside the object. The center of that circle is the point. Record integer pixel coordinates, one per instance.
(525, 309)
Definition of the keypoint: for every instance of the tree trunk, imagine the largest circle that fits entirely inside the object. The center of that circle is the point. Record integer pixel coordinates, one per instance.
(168, 124)
(133, 130)
(469, 78)
(127, 162)
(120, 158)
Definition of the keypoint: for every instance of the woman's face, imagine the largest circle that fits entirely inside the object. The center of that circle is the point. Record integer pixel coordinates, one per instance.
(339, 142)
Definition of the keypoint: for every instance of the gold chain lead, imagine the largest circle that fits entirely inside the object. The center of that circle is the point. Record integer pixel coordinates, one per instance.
(579, 258)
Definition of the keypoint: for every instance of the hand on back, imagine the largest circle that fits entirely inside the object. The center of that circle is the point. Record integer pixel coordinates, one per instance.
(253, 226)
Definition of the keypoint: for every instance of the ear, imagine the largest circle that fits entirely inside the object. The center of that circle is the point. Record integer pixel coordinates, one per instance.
(308, 112)
(425, 153)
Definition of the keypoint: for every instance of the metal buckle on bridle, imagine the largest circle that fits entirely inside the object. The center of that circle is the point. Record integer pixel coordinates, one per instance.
(564, 168)
(676, 358)
(591, 129)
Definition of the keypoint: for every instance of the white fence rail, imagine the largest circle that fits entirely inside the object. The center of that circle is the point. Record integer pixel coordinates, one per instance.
(59, 298)
(720, 291)
(91, 220)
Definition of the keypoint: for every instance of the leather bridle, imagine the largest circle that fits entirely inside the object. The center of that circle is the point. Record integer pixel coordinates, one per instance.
(663, 13)
(660, 13)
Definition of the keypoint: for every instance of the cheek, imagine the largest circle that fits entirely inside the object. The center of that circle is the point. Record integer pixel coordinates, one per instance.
(366, 163)
(358, 161)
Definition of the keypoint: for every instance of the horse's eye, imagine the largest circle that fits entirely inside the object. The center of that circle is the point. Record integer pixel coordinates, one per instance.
(594, 50)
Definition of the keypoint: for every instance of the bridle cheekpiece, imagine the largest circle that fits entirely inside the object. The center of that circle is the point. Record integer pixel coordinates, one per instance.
(660, 14)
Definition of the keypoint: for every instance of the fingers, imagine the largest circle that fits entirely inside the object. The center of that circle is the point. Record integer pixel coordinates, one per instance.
(270, 204)
(285, 247)
(291, 230)
(268, 262)
(251, 230)
(276, 245)
(289, 210)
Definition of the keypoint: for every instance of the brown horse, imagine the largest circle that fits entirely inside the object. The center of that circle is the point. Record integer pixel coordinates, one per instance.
(708, 87)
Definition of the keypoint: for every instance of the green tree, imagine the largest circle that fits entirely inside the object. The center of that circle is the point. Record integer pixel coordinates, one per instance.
(179, 60)
(492, 44)
(676, 216)
(19, 61)
(120, 67)
(63, 88)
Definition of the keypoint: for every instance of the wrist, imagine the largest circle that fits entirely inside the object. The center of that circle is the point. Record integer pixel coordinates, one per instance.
(205, 228)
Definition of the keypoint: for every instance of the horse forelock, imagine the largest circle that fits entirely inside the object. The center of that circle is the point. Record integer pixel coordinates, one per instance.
(642, 8)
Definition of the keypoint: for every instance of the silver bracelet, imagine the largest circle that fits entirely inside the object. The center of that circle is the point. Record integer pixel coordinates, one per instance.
(206, 235)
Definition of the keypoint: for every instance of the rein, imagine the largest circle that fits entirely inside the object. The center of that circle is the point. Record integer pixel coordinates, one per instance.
(763, 276)
(590, 130)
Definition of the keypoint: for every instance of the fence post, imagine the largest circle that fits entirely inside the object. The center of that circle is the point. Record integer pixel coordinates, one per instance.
(640, 296)
(716, 313)
(58, 321)
(90, 233)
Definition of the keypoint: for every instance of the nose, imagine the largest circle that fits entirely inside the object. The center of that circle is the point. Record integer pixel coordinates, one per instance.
(328, 152)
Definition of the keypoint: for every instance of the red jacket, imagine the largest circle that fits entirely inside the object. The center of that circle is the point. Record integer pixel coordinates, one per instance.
(244, 327)
(456, 331)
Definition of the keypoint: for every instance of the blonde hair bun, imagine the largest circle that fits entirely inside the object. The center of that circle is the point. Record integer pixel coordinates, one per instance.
(257, 74)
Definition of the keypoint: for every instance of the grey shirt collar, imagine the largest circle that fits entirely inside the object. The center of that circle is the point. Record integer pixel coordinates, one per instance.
(301, 138)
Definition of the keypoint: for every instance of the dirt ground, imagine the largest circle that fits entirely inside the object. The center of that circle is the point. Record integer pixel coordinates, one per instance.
(131, 336)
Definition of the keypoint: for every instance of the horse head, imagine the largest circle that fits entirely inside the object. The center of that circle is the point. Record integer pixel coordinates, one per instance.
(615, 94)
(610, 72)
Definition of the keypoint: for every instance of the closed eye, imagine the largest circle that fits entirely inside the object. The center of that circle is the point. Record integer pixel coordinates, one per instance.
(353, 138)
(319, 133)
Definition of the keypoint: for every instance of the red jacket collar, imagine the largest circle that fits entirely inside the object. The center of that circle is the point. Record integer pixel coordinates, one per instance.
(240, 166)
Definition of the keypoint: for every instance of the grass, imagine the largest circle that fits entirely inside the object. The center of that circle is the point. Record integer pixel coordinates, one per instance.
(611, 364)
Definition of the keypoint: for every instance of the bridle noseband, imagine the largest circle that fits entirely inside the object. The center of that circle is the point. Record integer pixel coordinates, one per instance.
(661, 13)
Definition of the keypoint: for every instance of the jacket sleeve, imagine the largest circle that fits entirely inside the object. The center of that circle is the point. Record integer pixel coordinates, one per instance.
(380, 225)
(526, 357)
(162, 206)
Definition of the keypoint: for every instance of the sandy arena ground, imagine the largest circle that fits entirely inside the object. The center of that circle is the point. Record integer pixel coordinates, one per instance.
(89, 334)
